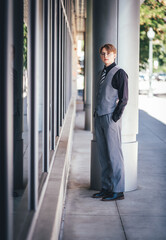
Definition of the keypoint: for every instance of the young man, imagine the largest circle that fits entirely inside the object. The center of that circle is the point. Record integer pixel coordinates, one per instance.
(111, 99)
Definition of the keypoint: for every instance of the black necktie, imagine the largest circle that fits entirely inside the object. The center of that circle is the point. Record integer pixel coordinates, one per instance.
(103, 75)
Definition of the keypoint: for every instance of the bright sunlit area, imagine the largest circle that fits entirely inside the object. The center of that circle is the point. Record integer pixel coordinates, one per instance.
(80, 68)
(152, 75)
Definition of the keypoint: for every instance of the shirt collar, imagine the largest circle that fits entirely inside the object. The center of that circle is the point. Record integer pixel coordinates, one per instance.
(108, 68)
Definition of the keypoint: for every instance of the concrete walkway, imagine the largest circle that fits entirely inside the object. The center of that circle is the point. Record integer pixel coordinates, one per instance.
(142, 214)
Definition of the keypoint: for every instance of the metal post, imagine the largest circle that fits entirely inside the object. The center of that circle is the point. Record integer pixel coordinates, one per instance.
(150, 66)
(67, 67)
(33, 129)
(88, 66)
(150, 35)
(64, 67)
(58, 65)
(54, 72)
(40, 68)
(61, 69)
(18, 91)
(46, 90)
(6, 120)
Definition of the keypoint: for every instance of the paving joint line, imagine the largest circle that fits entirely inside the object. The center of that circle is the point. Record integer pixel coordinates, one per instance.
(121, 220)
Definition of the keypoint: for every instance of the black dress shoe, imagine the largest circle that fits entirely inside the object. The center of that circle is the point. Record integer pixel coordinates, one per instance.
(114, 196)
(100, 194)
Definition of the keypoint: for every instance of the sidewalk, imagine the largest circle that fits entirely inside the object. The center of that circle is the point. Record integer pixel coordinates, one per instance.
(142, 214)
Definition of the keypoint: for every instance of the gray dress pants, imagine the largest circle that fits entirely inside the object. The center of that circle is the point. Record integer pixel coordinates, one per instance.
(108, 136)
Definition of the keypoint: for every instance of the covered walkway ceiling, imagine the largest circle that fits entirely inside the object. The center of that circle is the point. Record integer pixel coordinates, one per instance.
(80, 16)
(79, 11)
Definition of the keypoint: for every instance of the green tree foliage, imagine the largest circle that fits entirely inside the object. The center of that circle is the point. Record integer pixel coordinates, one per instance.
(153, 14)
(25, 46)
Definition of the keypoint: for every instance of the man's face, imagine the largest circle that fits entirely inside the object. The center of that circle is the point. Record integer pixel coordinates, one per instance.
(107, 58)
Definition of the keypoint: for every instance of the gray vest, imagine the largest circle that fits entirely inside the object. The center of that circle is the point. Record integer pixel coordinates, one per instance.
(107, 96)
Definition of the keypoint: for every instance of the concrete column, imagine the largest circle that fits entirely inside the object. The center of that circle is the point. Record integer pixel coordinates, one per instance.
(18, 94)
(105, 23)
(88, 66)
(117, 22)
(128, 59)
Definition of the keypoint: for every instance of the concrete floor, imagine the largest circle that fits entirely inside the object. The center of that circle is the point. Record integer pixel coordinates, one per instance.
(142, 214)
